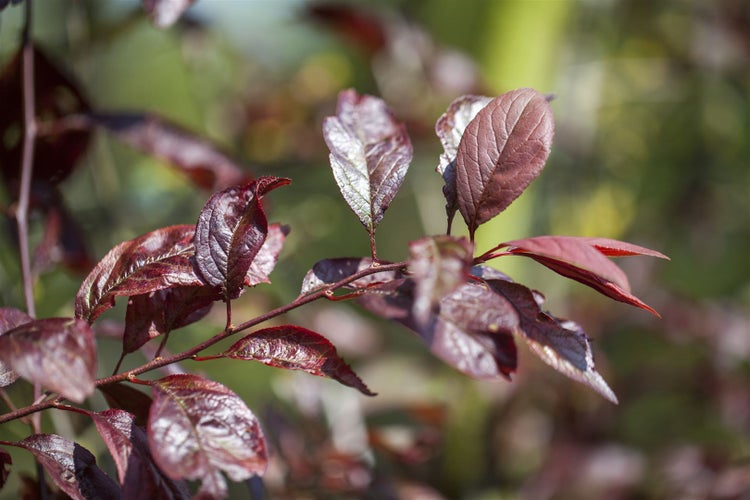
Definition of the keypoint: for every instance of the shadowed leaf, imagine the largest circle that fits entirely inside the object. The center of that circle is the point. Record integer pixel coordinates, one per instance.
(5, 462)
(198, 428)
(501, 151)
(159, 259)
(10, 317)
(123, 397)
(264, 263)
(296, 348)
(370, 154)
(58, 353)
(328, 271)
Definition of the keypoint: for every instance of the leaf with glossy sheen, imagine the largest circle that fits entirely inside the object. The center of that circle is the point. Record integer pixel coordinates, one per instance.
(198, 428)
(265, 261)
(616, 248)
(58, 353)
(124, 397)
(370, 154)
(128, 445)
(580, 259)
(329, 271)
(231, 230)
(439, 265)
(501, 151)
(560, 343)
(164, 13)
(450, 128)
(10, 318)
(159, 259)
(296, 348)
(472, 330)
(72, 467)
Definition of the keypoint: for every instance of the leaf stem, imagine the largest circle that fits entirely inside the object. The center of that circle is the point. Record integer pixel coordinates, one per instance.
(372, 245)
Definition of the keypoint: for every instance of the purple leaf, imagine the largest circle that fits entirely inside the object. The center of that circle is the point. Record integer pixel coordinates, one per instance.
(128, 445)
(5, 462)
(58, 353)
(450, 128)
(502, 150)
(472, 330)
(265, 261)
(370, 154)
(439, 265)
(203, 163)
(560, 343)
(198, 427)
(156, 313)
(71, 466)
(10, 317)
(159, 259)
(296, 348)
(579, 259)
(329, 271)
(231, 230)
(123, 397)
(164, 13)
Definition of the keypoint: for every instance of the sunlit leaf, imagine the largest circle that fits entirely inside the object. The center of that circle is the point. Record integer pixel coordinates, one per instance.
(58, 353)
(265, 261)
(128, 445)
(72, 467)
(124, 397)
(164, 13)
(10, 318)
(159, 259)
(198, 428)
(501, 151)
(616, 248)
(370, 154)
(296, 348)
(231, 230)
(329, 271)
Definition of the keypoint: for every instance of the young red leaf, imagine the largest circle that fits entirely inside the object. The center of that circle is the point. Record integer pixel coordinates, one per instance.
(328, 271)
(128, 445)
(203, 163)
(198, 427)
(58, 353)
(164, 13)
(124, 397)
(296, 348)
(265, 261)
(562, 344)
(370, 154)
(472, 330)
(450, 128)
(231, 230)
(72, 467)
(502, 150)
(616, 248)
(439, 265)
(10, 317)
(159, 259)
(579, 259)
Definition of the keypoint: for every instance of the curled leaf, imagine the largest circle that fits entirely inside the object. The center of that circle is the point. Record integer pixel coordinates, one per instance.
(296, 348)
(265, 261)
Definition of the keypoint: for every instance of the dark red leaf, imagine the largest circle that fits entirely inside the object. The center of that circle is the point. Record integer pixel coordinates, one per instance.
(63, 240)
(164, 13)
(128, 445)
(71, 466)
(450, 128)
(328, 271)
(10, 317)
(156, 313)
(157, 260)
(560, 343)
(579, 259)
(123, 397)
(5, 462)
(58, 353)
(231, 230)
(202, 161)
(265, 260)
(472, 330)
(370, 154)
(439, 265)
(502, 150)
(198, 427)
(296, 348)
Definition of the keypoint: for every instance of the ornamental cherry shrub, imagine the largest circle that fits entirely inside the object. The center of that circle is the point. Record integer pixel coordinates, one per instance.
(191, 428)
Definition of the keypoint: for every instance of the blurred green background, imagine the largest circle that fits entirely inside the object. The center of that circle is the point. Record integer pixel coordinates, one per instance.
(652, 146)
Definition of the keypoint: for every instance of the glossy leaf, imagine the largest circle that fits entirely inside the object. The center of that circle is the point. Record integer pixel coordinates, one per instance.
(296, 348)
(58, 353)
(560, 343)
(157, 260)
(439, 265)
(72, 467)
(231, 230)
(198, 428)
(164, 13)
(202, 161)
(329, 271)
(502, 150)
(264, 263)
(370, 154)
(5, 462)
(450, 128)
(579, 259)
(10, 318)
(124, 397)
(472, 330)
(136, 469)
